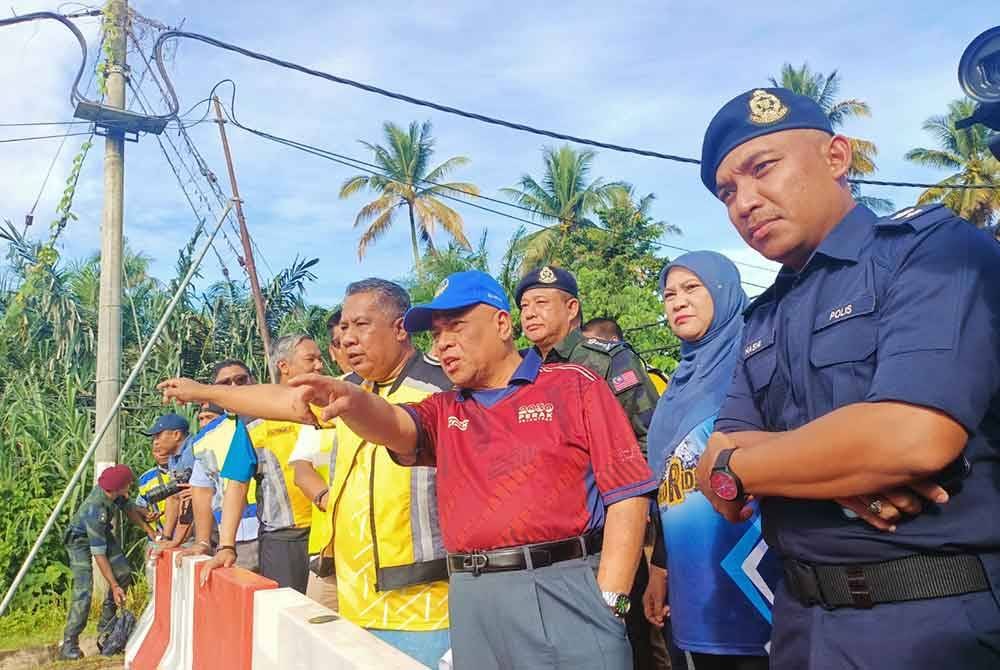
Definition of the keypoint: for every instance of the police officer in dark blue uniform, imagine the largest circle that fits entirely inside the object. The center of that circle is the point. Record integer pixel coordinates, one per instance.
(869, 382)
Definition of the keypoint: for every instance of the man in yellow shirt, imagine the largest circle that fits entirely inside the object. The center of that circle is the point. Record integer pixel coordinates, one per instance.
(390, 561)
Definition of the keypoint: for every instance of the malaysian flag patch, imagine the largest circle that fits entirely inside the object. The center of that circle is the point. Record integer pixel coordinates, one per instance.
(624, 381)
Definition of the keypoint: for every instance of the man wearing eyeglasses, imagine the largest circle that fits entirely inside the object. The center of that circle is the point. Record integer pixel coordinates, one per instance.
(206, 483)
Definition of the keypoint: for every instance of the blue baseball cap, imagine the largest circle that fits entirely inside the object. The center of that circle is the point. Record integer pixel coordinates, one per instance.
(761, 111)
(458, 290)
(168, 422)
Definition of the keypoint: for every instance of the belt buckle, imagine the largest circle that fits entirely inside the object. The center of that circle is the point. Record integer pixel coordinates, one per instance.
(475, 562)
(804, 581)
(858, 587)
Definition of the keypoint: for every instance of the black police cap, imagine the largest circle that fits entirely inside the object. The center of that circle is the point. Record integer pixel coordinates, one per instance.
(548, 277)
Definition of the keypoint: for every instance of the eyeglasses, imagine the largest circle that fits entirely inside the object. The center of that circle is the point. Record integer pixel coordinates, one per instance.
(236, 380)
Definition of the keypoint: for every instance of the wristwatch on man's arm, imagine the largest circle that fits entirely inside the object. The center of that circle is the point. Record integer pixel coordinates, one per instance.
(618, 602)
(723, 480)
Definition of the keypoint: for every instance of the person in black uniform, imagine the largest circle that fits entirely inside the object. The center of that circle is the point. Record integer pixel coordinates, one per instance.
(869, 370)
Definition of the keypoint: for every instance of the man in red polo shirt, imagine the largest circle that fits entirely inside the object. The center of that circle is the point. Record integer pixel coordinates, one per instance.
(540, 485)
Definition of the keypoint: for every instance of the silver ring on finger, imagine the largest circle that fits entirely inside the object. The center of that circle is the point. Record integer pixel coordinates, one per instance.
(875, 507)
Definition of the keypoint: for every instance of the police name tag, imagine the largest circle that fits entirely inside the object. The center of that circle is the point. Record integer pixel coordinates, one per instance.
(753, 347)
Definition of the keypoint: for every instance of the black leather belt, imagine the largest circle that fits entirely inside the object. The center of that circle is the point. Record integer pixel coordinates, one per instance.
(865, 585)
(526, 557)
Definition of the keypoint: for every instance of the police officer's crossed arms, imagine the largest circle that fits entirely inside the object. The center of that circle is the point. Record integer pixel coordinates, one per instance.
(869, 377)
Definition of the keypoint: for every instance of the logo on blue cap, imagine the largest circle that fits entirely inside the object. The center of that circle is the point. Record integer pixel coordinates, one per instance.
(459, 290)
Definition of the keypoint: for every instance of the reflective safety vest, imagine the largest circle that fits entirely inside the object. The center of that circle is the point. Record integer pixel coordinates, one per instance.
(210, 447)
(280, 503)
(388, 553)
(149, 480)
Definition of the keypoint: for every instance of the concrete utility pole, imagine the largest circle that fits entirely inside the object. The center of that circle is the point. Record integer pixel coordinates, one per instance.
(258, 298)
(109, 314)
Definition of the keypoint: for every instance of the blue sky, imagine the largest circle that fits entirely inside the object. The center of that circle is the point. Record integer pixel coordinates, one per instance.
(647, 74)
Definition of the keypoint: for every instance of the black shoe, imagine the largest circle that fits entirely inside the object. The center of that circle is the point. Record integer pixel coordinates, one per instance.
(70, 651)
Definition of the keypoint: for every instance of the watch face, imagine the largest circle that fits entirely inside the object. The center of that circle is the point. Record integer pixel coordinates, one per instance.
(724, 485)
(618, 602)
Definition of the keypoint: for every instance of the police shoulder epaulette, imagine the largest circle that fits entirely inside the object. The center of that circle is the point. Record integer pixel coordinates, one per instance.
(917, 218)
(604, 346)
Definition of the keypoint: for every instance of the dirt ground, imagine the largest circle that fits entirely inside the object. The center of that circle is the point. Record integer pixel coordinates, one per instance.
(47, 658)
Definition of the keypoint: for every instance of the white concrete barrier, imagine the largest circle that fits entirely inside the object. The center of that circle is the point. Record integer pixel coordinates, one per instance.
(284, 638)
(143, 625)
(179, 650)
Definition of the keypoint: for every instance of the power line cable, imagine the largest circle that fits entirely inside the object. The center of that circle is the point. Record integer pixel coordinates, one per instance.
(180, 182)
(203, 169)
(41, 137)
(376, 170)
(522, 127)
(48, 173)
(43, 123)
(183, 131)
(174, 106)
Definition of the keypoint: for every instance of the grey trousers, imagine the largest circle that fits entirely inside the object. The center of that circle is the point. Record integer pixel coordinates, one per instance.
(552, 618)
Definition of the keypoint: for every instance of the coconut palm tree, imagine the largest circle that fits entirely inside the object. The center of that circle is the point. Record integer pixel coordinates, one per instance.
(407, 181)
(824, 89)
(563, 197)
(966, 154)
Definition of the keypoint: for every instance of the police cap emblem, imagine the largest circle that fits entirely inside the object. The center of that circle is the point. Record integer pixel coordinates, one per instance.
(441, 288)
(766, 108)
(546, 275)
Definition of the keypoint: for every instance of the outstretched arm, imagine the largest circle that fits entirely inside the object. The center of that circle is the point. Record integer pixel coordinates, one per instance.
(369, 416)
(266, 401)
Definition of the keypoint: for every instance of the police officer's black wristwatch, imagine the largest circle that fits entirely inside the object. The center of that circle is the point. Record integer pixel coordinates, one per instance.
(619, 603)
(723, 481)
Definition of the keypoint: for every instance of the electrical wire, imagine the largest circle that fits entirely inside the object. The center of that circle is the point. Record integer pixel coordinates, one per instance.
(376, 170)
(41, 137)
(173, 105)
(75, 95)
(43, 123)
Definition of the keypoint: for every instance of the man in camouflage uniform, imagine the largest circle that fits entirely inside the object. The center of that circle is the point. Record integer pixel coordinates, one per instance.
(550, 314)
(550, 318)
(90, 537)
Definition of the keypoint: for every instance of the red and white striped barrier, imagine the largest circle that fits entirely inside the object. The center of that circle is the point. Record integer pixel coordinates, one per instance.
(242, 621)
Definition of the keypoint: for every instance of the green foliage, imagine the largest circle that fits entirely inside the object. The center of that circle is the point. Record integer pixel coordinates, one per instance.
(966, 153)
(47, 383)
(564, 198)
(408, 182)
(633, 306)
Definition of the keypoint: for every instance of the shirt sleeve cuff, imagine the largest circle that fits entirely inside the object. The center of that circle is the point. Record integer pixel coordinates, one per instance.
(98, 551)
(734, 426)
(629, 491)
(916, 379)
(410, 461)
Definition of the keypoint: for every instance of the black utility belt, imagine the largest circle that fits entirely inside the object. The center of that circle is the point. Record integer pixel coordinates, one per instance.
(864, 585)
(529, 556)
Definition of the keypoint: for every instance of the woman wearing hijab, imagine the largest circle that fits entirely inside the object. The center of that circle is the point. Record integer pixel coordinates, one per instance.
(720, 574)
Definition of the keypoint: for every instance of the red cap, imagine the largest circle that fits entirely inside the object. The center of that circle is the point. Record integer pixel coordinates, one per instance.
(116, 477)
